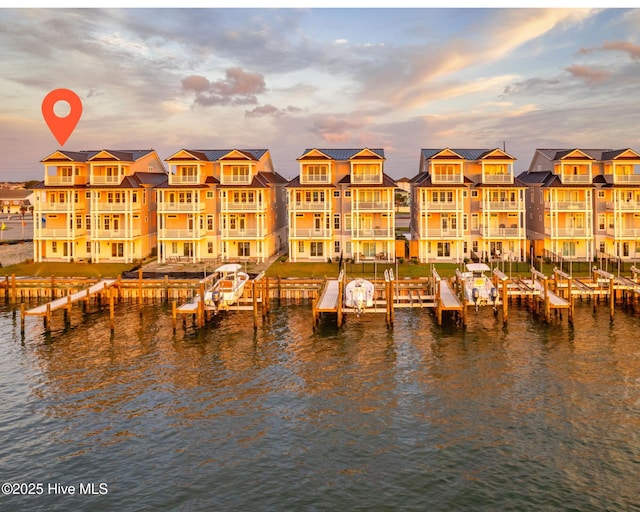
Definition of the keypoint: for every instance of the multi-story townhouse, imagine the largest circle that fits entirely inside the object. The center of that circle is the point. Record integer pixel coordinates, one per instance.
(342, 206)
(467, 204)
(560, 203)
(221, 204)
(97, 205)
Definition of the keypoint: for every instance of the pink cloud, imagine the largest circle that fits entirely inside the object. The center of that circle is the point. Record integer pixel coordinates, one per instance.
(588, 74)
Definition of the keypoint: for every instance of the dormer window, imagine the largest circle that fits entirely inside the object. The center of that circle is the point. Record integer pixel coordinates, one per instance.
(315, 174)
(366, 173)
(239, 173)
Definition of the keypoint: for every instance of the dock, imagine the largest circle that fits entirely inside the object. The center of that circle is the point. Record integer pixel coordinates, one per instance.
(446, 299)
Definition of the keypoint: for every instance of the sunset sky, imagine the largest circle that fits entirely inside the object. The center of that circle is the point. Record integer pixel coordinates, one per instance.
(290, 79)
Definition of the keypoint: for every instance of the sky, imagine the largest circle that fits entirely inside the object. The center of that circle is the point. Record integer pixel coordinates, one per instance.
(288, 79)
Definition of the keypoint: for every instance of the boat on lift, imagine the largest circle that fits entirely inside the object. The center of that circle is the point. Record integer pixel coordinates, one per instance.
(227, 288)
(359, 295)
(478, 287)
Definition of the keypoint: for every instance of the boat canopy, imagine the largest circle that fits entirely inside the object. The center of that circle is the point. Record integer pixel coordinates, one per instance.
(228, 267)
(477, 267)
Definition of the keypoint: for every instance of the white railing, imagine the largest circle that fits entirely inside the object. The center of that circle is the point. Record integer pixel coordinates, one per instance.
(373, 205)
(312, 205)
(366, 178)
(576, 178)
(305, 178)
(59, 233)
(442, 233)
(566, 205)
(373, 233)
(624, 232)
(167, 206)
(106, 180)
(309, 233)
(182, 234)
(567, 232)
(502, 205)
(58, 180)
(59, 207)
(626, 178)
(442, 205)
(446, 178)
(226, 179)
(497, 178)
(624, 205)
(239, 206)
(178, 179)
(489, 232)
(242, 233)
(122, 206)
(110, 234)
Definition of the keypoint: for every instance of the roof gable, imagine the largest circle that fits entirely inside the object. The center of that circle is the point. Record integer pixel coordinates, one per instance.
(186, 154)
(621, 154)
(314, 154)
(238, 154)
(367, 153)
(573, 154)
(496, 153)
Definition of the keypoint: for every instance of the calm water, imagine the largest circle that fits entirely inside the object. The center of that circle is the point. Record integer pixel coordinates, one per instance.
(527, 417)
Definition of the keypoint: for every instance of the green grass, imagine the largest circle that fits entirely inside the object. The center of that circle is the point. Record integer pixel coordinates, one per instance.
(59, 269)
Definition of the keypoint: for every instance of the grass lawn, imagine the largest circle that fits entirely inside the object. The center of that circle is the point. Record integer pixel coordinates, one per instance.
(59, 269)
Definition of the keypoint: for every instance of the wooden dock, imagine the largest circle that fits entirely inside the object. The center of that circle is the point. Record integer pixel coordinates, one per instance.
(446, 299)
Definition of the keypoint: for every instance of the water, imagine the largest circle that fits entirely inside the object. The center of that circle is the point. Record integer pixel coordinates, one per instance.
(527, 417)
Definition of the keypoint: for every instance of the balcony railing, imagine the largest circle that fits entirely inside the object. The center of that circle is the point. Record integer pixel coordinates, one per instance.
(312, 205)
(111, 234)
(360, 179)
(179, 179)
(497, 178)
(493, 232)
(442, 233)
(189, 206)
(240, 206)
(576, 178)
(59, 233)
(309, 233)
(373, 205)
(626, 178)
(502, 205)
(373, 233)
(315, 179)
(624, 232)
(442, 205)
(106, 180)
(227, 179)
(566, 205)
(624, 205)
(446, 178)
(123, 206)
(567, 232)
(60, 207)
(58, 180)
(242, 233)
(181, 234)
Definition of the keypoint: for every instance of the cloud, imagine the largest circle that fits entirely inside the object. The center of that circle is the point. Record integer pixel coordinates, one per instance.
(633, 50)
(590, 75)
(270, 110)
(238, 88)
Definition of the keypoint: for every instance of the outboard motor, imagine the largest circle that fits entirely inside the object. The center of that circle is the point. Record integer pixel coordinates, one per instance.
(475, 294)
(494, 295)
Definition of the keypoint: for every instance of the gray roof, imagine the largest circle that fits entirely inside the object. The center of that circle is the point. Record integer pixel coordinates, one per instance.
(467, 154)
(213, 155)
(596, 154)
(344, 154)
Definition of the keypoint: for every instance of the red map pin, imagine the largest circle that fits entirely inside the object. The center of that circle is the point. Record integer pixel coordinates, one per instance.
(62, 127)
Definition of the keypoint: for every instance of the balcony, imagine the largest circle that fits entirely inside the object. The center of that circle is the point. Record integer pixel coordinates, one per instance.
(309, 233)
(442, 206)
(243, 233)
(497, 179)
(621, 179)
(505, 206)
(115, 234)
(179, 179)
(184, 207)
(446, 178)
(64, 181)
(181, 234)
(311, 179)
(502, 232)
(567, 232)
(373, 205)
(57, 233)
(312, 206)
(106, 180)
(122, 206)
(631, 206)
(632, 233)
(252, 206)
(443, 234)
(578, 179)
(60, 207)
(373, 233)
(364, 179)
(567, 205)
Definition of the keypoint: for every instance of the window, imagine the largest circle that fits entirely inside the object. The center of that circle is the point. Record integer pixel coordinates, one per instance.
(601, 194)
(474, 246)
(174, 247)
(87, 248)
(316, 173)
(239, 173)
(209, 222)
(465, 222)
(348, 247)
(117, 250)
(444, 249)
(244, 249)
(209, 247)
(336, 193)
(316, 249)
(79, 221)
(601, 221)
(347, 222)
(54, 246)
(336, 246)
(134, 197)
(602, 247)
(475, 222)
(474, 193)
(300, 247)
(210, 194)
(347, 193)
(336, 222)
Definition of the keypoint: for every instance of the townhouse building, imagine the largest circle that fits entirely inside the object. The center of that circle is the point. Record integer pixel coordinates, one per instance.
(584, 204)
(341, 205)
(97, 205)
(467, 204)
(221, 204)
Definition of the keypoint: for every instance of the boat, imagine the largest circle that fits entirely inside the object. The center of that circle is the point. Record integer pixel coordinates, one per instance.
(227, 288)
(359, 295)
(478, 288)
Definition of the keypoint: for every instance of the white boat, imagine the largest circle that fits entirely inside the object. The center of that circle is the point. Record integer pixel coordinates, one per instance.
(227, 288)
(359, 295)
(478, 288)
